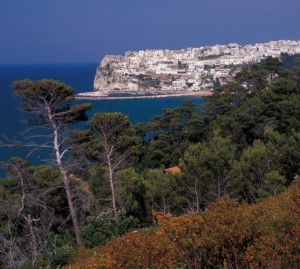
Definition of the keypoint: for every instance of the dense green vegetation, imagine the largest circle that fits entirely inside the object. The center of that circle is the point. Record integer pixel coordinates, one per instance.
(235, 152)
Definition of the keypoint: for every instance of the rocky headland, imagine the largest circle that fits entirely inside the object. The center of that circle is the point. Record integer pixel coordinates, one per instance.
(190, 71)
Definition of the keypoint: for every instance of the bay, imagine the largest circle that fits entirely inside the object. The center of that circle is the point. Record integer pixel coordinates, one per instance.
(79, 76)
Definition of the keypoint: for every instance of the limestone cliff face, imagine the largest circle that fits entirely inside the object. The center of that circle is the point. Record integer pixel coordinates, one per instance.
(105, 76)
(125, 74)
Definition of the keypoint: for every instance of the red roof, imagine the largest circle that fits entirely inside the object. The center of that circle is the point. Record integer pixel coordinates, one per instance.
(174, 169)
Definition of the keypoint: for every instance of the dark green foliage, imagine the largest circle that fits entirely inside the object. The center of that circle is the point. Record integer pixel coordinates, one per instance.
(131, 192)
(291, 156)
(277, 107)
(45, 97)
(49, 103)
(271, 66)
(116, 141)
(165, 191)
(244, 144)
(85, 147)
(290, 61)
(112, 131)
(224, 100)
(259, 162)
(166, 136)
(210, 171)
(163, 150)
(253, 77)
(273, 183)
(60, 250)
(99, 229)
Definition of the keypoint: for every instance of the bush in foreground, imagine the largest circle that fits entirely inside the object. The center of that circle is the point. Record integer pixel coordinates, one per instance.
(227, 235)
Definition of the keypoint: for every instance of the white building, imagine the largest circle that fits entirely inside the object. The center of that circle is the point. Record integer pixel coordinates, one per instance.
(179, 83)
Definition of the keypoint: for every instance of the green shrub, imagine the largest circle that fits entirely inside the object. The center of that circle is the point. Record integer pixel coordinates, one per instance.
(101, 228)
(60, 250)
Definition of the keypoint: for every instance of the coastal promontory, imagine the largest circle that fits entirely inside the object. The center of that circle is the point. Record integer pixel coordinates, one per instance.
(180, 72)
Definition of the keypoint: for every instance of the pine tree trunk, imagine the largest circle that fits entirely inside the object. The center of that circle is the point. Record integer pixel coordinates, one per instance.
(197, 198)
(112, 187)
(72, 209)
(33, 239)
(67, 188)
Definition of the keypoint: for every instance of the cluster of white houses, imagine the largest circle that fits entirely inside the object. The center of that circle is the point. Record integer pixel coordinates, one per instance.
(191, 69)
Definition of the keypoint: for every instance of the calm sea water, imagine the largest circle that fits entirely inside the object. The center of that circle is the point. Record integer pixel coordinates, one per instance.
(80, 77)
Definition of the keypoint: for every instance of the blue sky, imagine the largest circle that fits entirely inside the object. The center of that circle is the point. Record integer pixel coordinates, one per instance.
(56, 31)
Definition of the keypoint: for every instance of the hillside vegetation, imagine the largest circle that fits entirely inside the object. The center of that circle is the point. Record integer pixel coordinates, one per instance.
(109, 200)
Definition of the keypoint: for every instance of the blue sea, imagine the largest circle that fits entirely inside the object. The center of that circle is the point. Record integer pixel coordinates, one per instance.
(80, 77)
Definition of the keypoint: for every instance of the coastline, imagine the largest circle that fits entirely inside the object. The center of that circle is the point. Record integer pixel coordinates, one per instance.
(98, 96)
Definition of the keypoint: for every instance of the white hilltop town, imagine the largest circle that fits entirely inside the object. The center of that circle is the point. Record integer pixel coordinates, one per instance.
(190, 71)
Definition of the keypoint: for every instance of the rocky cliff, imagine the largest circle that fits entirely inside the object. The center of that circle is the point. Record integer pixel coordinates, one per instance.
(105, 76)
(116, 75)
